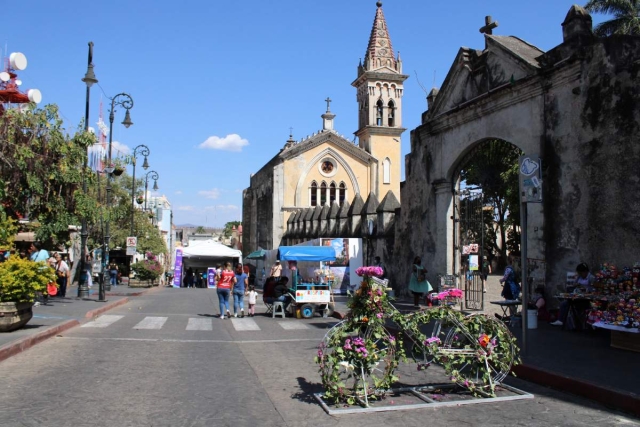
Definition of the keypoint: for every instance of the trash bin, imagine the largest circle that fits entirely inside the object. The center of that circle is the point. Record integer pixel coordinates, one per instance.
(532, 319)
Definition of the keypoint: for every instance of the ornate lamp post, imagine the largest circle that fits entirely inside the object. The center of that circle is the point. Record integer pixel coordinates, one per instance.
(89, 79)
(127, 104)
(154, 177)
(144, 150)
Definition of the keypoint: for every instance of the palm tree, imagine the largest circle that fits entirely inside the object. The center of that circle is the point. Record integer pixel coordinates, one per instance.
(626, 15)
(200, 230)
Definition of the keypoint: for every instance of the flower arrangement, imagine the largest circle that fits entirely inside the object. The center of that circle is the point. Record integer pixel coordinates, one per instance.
(369, 271)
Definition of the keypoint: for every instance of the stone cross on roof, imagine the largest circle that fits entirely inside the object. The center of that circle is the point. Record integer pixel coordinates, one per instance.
(489, 25)
(328, 101)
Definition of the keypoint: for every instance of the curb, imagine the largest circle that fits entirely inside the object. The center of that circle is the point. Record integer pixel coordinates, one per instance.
(18, 346)
(627, 402)
(108, 306)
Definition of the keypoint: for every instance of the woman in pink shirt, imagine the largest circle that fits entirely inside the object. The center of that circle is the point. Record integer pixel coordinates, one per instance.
(226, 281)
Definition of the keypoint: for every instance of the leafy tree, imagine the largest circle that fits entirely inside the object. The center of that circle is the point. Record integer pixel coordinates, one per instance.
(41, 171)
(626, 17)
(200, 230)
(228, 226)
(494, 168)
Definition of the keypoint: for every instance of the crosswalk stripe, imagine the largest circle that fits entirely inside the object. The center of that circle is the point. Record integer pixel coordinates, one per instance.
(245, 324)
(196, 324)
(150, 322)
(292, 325)
(102, 321)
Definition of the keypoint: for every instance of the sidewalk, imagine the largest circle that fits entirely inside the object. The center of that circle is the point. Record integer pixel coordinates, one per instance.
(60, 314)
(581, 363)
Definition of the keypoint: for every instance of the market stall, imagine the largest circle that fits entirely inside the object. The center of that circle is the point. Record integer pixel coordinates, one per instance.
(615, 305)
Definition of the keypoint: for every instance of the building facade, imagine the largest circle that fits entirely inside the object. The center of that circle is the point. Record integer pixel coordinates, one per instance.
(326, 167)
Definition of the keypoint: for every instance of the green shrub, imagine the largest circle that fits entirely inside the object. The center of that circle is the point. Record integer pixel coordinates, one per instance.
(148, 269)
(21, 279)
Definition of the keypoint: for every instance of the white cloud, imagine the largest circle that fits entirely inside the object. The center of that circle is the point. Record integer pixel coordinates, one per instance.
(210, 194)
(232, 142)
(222, 208)
(227, 207)
(118, 148)
(185, 208)
(178, 192)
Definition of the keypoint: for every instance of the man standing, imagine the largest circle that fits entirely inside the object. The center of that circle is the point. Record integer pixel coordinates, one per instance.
(276, 270)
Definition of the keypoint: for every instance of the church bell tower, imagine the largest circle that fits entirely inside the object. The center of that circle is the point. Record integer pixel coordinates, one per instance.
(379, 89)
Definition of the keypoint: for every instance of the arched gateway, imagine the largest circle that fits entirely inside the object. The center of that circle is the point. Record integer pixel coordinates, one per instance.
(576, 107)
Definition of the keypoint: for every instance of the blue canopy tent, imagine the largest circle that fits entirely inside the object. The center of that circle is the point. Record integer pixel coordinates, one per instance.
(306, 253)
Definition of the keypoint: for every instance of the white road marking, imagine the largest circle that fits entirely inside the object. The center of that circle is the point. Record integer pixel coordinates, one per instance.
(198, 324)
(244, 324)
(292, 325)
(102, 321)
(316, 339)
(150, 322)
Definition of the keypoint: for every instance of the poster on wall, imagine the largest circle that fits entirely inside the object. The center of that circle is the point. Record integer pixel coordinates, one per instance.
(177, 271)
(348, 258)
(473, 262)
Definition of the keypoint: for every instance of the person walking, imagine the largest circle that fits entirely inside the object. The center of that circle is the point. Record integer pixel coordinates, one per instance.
(62, 274)
(189, 278)
(418, 283)
(253, 297)
(276, 269)
(225, 283)
(242, 282)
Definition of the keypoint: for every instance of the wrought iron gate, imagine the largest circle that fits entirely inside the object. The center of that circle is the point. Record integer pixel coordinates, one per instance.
(468, 242)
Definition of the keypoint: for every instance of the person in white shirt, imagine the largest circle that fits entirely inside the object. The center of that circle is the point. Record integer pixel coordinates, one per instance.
(253, 297)
(62, 271)
(276, 270)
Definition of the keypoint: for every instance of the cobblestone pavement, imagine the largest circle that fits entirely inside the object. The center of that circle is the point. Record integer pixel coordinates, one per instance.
(164, 359)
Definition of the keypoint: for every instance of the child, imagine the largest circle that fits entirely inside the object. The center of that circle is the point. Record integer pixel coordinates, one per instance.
(253, 295)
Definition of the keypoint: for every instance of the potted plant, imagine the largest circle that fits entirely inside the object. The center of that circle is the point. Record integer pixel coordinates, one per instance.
(118, 168)
(20, 281)
(140, 200)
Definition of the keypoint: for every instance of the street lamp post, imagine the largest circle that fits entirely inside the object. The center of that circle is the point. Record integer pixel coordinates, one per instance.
(89, 79)
(127, 104)
(154, 177)
(144, 150)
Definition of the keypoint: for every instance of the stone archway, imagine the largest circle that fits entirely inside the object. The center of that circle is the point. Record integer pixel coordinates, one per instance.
(486, 213)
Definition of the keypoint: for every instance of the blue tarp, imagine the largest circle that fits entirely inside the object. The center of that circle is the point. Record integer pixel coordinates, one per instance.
(307, 253)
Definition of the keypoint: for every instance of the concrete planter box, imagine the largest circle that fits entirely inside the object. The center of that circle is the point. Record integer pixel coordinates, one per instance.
(14, 315)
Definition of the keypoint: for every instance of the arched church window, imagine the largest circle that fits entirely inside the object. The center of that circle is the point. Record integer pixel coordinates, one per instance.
(386, 171)
(323, 193)
(379, 109)
(313, 194)
(391, 113)
(332, 192)
(342, 193)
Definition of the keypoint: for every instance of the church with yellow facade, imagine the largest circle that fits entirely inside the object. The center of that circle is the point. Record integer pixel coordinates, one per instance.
(327, 169)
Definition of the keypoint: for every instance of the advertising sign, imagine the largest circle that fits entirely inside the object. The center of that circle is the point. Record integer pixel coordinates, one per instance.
(530, 179)
(211, 277)
(177, 272)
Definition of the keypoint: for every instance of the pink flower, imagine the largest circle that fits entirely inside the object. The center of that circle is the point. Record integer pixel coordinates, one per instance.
(433, 340)
(379, 315)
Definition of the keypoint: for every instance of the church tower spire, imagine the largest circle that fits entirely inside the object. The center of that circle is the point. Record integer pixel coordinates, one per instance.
(379, 87)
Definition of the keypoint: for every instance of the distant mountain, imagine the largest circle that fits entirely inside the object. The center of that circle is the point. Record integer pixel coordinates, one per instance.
(186, 226)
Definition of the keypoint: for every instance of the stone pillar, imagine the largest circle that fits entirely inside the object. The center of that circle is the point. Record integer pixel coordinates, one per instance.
(443, 258)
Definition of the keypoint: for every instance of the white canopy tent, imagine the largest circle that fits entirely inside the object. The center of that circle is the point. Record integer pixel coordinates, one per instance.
(206, 249)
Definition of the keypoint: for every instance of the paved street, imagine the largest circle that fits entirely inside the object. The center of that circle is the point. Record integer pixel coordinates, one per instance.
(164, 360)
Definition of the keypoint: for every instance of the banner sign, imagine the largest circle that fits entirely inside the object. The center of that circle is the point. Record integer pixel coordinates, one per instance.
(313, 296)
(211, 277)
(177, 271)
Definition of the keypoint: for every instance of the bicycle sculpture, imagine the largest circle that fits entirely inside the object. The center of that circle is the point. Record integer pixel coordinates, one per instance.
(359, 355)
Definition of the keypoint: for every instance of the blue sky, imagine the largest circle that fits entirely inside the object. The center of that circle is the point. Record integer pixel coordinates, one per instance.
(217, 85)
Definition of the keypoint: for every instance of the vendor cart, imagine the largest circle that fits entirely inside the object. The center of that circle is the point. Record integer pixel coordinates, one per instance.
(309, 297)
